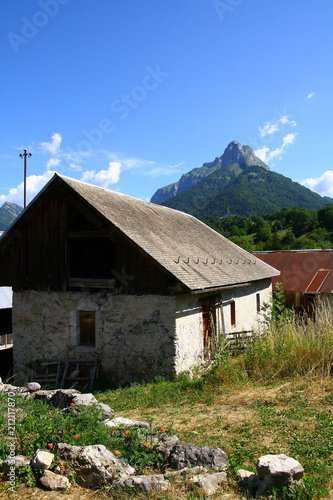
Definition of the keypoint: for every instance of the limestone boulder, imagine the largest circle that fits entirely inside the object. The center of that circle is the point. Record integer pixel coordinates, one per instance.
(42, 460)
(189, 455)
(164, 443)
(94, 465)
(33, 386)
(117, 422)
(54, 482)
(146, 484)
(277, 471)
(210, 482)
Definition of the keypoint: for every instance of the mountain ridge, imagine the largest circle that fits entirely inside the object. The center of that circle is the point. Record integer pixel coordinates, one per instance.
(244, 187)
(233, 153)
(8, 213)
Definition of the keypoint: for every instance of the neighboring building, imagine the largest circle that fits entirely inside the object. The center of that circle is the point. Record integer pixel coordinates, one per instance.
(305, 275)
(141, 286)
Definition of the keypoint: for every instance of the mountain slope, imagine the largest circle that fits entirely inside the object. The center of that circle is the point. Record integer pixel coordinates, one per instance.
(8, 213)
(244, 156)
(252, 191)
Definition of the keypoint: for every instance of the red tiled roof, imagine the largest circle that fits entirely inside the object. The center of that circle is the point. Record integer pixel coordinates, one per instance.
(309, 271)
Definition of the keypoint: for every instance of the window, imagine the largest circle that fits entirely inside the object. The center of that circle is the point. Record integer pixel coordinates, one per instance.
(87, 328)
(258, 303)
(233, 314)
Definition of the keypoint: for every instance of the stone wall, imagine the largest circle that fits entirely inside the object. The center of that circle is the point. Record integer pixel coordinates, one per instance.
(135, 335)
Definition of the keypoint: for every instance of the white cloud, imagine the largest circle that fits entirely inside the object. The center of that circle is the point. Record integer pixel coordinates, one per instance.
(164, 170)
(263, 153)
(103, 178)
(266, 155)
(312, 94)
(51, 146)
(75, 167)
(34, 184)
(322, 185)
(88, 175)
(53, 162)
(111, 176)
(270, 128)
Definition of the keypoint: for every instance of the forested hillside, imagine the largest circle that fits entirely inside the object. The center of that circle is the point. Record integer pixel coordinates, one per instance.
(287, 229)
(248, 192)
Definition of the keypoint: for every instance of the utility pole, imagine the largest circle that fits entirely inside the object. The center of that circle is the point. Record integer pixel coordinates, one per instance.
(25, 155)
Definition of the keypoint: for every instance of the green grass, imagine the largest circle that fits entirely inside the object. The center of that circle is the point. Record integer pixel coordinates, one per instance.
(274, 398)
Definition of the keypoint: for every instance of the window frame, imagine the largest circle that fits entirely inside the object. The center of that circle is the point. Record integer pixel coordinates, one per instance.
(232, 315)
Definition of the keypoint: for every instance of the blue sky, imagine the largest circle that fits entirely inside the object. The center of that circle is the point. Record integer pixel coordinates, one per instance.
(130, 94)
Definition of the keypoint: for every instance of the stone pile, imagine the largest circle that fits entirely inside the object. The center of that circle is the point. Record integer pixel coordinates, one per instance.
(94, 466)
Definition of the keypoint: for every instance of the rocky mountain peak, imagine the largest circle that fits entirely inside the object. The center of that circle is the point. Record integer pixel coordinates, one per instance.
(243, 155)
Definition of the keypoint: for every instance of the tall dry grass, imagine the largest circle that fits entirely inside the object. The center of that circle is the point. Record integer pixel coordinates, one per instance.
(290, 347)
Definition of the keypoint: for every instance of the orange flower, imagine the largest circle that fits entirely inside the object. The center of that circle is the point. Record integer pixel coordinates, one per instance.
(50, 445)
(161, 429)
(114, 430)
(146, 444)
(127, 432)
(77, 436)
(72, 404)
(116, 452)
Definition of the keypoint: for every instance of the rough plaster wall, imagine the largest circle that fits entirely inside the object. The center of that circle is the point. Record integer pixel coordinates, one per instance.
(139, 336)
(189, 332)
(135, 335)
(247, 317)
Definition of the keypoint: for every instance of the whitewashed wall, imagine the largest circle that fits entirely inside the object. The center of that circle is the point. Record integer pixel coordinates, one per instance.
(247, 317)
(137, 337)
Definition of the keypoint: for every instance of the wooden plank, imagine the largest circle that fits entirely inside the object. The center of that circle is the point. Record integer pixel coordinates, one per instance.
(91, 283)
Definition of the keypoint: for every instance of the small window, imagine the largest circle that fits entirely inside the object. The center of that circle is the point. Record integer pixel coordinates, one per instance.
(258, 303)
(87, 328)
(233, 314)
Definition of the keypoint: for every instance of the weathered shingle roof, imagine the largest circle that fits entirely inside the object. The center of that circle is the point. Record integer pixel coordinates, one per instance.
(309, 271)
(195, 254)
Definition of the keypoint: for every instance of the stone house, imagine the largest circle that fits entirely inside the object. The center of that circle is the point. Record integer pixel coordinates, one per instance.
(306, 275)
(140, 286)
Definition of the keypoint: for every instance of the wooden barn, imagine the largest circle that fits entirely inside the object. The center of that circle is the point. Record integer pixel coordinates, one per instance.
(140, 286)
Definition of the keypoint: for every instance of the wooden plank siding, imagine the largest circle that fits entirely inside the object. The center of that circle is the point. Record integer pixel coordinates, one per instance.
(35, 254)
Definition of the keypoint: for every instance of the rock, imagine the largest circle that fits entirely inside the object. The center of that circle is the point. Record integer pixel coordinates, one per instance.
(62, 398)
(52, 481)
(8, 388)
(84, 400)
(278, 471)
(68, 451)
(115, 423)
(155, 482)
(94, 465)
(186, 470)
(42, 460)
(33, 386)
(46, 395)
(17, 461)
(210, 482)
(164, 443)
(107, 411)
(247, 479)
(187, 455)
